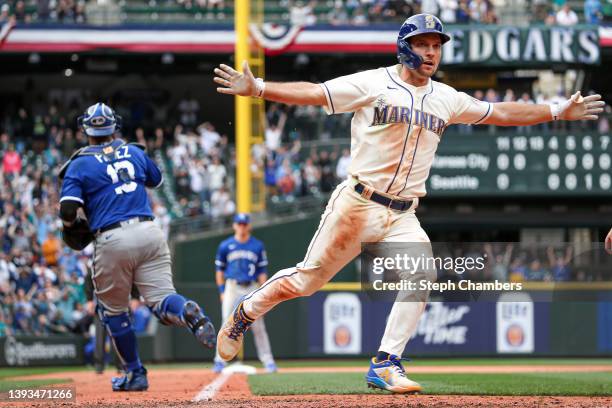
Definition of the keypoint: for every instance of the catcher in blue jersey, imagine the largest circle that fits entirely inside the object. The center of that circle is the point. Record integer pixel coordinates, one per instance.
(241, 268)
(107, 181)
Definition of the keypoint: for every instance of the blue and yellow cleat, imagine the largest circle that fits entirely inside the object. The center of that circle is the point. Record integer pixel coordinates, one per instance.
(390, 375)
(271, 368)
(218, 367)
(231, 335)
(135, 380)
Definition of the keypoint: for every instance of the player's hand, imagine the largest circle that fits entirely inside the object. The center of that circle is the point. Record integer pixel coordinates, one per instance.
(233, 82)
(581, 108)
(609, 242)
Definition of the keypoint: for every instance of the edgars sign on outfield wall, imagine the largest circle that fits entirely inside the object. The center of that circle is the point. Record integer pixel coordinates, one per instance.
(527, 46)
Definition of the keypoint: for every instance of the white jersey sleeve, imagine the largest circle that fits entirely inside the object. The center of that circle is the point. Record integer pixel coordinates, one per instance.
(348, 93)
(470, 111)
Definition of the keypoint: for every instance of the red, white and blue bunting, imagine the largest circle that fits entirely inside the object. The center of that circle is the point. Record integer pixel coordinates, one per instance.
(208, 38)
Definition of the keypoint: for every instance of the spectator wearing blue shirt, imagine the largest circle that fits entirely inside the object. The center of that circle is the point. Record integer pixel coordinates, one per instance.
(592, 11)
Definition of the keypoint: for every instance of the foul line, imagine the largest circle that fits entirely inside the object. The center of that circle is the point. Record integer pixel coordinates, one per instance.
(208, 392)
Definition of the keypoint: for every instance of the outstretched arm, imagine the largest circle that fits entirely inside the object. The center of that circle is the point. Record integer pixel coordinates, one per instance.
(519, 114)
(244, 84)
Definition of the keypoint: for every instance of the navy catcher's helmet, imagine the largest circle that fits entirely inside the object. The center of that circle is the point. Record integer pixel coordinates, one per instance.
(99, 120)
(415, 25)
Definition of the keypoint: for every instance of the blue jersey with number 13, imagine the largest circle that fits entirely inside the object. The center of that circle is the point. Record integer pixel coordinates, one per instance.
(111, 187)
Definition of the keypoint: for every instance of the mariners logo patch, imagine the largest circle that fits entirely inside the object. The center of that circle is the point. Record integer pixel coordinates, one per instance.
(429, 21)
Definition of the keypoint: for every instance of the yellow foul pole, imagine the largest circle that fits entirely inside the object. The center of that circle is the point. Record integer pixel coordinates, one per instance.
(243, 110)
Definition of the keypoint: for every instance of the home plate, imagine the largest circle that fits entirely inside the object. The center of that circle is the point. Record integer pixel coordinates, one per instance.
(238, 367)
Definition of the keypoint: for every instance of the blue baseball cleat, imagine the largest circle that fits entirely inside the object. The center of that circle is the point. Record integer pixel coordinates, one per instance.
(199, 324)
(218, 367)
(271, 368)
(135, 380)
(390, 375)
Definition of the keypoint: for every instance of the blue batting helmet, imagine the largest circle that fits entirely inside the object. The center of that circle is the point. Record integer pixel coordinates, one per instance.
(99, 120)
(415, 25)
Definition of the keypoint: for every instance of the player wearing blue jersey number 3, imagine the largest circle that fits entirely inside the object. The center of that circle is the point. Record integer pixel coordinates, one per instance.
(108, 180)
(399, 116)
(241, 265)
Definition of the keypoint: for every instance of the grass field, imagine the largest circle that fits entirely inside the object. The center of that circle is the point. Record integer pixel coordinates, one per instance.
(588, 384)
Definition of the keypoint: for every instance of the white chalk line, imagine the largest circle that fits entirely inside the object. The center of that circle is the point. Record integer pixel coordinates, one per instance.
(209, 391)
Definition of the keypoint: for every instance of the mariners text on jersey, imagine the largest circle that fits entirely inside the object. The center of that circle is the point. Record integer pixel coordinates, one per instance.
(386, 114)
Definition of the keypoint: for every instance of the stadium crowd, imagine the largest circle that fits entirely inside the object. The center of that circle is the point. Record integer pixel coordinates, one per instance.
(335, 12)
(516, 262)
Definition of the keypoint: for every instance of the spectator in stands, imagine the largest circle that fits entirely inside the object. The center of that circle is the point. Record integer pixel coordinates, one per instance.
(500, 263)
(449, 12)
(560, 264)
(26, 280)
(11, 162)
(536, 272)
(51, 248)
(539, 10)
(286, 182)
(302, 13)
(5, 13)
(343, 165)
(593, 11)
(566, 16)
(462, 11)
(338, 16)
(20, 12)
(188, 108)
(274, 132)
(360, 18)
(518, 271)
(216, 174)
(270, 177)
(5, 327)
(209, 137)
(221, 203)
(430, 7)
(328, 180)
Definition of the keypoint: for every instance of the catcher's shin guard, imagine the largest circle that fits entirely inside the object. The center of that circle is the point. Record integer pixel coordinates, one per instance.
(124, 340)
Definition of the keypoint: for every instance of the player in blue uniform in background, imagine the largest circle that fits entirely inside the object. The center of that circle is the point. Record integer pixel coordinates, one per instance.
(241, 268)
(108, 180)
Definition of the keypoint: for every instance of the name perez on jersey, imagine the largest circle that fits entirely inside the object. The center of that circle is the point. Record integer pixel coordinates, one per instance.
(387, 114)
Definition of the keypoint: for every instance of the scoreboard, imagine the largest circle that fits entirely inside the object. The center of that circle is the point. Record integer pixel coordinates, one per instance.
(535, 164)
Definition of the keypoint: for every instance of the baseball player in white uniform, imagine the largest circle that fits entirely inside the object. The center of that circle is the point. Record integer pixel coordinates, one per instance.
(400, 114)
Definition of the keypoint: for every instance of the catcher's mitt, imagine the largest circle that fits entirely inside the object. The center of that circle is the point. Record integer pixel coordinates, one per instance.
(78, 235)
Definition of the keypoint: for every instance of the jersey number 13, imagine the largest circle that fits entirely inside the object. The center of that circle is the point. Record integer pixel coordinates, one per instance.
(122, 171)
